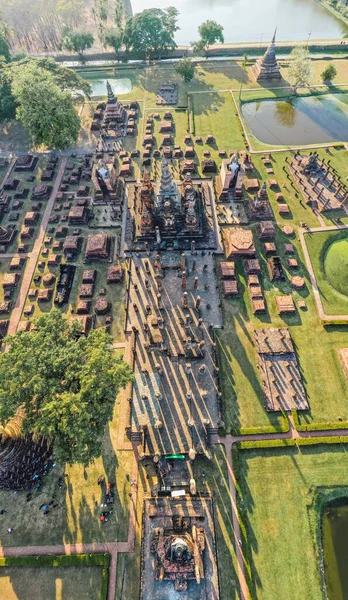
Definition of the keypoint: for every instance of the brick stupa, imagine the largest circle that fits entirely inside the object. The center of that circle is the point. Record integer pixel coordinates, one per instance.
(267, 68)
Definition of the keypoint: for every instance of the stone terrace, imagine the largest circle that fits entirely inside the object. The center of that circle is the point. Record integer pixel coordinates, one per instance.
(174, 396)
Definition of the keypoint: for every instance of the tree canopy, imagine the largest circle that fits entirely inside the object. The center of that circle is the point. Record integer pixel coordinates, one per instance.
(114, 38)
(301, 68)
(76, 40)
(66, 384)
(329, 73)
(211, 32)
(4, 49)
(186, 68)
(38, 92)
(151, 32)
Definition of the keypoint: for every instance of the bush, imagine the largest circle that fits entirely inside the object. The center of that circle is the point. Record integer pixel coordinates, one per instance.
(329, 73)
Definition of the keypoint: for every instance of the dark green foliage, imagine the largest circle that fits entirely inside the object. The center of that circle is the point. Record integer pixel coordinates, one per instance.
(186, 68)
(114, 38)
(151, 32)
(4, 49)
(66, 384)
(7, 101)
(329, 73)
(76, 40)
(211, 32)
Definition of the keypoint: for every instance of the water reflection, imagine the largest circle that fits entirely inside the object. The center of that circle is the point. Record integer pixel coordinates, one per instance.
(301, 121)
(294, 18)
(335, 546)
(286, 113)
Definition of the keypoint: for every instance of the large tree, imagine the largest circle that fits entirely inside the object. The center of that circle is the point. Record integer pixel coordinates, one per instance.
(114, 38)
(37, 86)
(186, 68)
(47, 113)
(66, 79)
(210, 32)
(301, 68)
(151, 32)
(76, 40)
(67, 385)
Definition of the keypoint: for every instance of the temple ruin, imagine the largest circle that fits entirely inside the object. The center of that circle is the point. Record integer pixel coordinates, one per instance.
(267, 68)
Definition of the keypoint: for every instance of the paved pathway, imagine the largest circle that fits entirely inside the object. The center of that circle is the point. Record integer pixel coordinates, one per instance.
(34, 255)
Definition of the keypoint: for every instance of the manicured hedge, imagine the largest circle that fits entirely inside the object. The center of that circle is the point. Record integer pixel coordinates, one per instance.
(282, 427)
(253, 445)
(318, 426)
(315, 441)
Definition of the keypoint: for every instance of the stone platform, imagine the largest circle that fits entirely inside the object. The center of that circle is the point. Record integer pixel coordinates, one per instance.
(279, 372)
(158, 513)
(175, 394)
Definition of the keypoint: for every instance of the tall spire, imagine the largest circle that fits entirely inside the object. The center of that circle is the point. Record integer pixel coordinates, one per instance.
(274, 36)
(167, 185)
(267, 68)
(111, 95)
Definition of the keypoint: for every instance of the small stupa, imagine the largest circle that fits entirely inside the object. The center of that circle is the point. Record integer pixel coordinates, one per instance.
(267, 68)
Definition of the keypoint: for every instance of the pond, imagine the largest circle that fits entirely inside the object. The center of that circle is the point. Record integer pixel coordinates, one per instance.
(299, 121)
(98, 83)
(253, 20)
(335, 546)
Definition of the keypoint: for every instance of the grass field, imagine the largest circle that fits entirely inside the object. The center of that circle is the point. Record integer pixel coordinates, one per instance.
(278, 489)
(50, 583)
(76, 519)
(318, 244)
(326, 389)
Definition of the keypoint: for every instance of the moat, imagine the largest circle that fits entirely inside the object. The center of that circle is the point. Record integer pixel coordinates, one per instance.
(294, 19)
(335, 535)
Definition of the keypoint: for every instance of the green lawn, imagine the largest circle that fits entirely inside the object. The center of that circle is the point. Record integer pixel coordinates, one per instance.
(243, 400)
(76, 519)
(50, 583)
(278, 488)
(324, 265)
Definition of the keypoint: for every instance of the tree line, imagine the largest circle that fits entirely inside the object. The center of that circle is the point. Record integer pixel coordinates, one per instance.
(53, 25)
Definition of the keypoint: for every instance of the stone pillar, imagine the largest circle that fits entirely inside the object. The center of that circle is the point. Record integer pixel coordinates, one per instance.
(195, 284)
(183, 280)
(194, 265)
(338, 191)
(158, 235)
(197, 302)
(185, 300)
(193, 246)
(183, 262)
(147, 266)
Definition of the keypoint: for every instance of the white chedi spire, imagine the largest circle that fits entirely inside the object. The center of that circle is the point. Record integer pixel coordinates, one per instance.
(167, 185)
